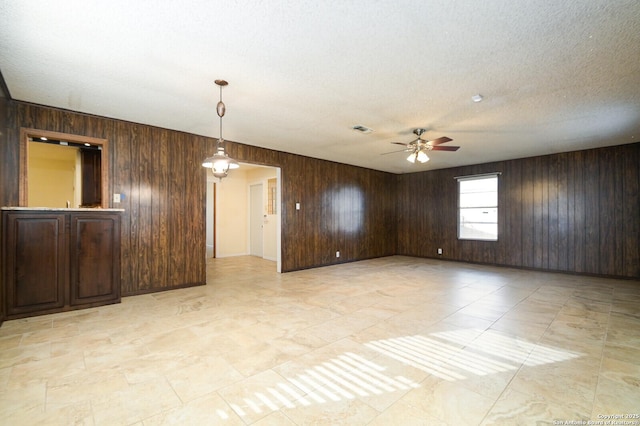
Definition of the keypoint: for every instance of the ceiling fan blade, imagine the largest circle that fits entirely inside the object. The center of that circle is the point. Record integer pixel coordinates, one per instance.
(445, 148)
(438, 141)
(400, 143)
(393, 152)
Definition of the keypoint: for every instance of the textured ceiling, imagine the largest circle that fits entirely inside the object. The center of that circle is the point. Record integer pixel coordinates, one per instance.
(555, 75)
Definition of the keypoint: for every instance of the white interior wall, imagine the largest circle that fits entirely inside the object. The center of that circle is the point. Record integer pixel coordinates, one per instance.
(232, 215)
(209, 216)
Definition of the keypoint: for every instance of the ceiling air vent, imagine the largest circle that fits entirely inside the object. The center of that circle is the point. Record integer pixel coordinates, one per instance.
(362, 129)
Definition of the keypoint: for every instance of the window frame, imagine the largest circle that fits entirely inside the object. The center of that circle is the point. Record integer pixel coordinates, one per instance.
(459, 179)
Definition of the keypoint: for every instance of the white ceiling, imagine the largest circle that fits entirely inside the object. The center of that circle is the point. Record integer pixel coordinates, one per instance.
(555, 75)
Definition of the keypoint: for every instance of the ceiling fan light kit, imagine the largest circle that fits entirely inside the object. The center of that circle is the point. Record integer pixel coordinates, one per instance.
(420, 156)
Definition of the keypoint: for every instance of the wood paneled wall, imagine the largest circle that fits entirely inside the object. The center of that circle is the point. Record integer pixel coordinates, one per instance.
(9, 155)
(575, 212)
(158, 172)
(5, 172)
(343, 208)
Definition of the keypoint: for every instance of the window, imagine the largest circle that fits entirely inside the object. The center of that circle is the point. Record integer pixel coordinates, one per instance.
(271, 201)
(478, 207)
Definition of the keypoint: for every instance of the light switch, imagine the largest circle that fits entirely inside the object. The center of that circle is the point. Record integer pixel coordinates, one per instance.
(297, 206)
(116, 198)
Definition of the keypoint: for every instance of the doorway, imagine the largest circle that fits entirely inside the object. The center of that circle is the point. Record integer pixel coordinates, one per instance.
(243, 214)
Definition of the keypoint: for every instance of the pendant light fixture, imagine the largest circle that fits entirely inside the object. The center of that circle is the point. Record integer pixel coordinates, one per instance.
(220, 163)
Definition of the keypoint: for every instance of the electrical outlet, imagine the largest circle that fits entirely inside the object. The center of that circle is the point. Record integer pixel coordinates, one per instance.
(338, 253)
(440, 251)
(116, 198)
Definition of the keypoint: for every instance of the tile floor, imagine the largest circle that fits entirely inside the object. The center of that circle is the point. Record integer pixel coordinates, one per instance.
(390, 341)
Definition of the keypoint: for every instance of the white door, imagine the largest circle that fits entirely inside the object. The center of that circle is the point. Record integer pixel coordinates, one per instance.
(256, 219)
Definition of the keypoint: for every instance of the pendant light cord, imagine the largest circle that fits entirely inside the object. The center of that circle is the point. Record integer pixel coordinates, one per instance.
(220, 140)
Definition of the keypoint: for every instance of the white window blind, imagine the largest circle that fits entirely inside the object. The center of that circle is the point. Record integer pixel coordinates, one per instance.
(478, 207)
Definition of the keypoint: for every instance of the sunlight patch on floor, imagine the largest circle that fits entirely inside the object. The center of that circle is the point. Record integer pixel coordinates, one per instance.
(452, 355)
(449, 355)
(346, 377)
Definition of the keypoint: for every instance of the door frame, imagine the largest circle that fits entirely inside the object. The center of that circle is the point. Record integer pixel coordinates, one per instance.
(216, 205)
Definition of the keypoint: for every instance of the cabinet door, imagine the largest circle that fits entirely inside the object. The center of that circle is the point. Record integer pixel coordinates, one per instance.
(35, 256)
(94, 258)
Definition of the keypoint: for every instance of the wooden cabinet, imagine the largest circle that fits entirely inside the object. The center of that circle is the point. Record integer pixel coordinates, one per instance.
(57, 260)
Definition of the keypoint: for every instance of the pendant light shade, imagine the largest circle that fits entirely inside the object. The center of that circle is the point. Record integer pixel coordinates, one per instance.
(220, 163)
(419, 155)
(422, 157)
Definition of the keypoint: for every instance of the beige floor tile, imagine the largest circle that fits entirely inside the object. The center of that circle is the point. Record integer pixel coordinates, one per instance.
(516, 408)
(616, 397)
(254, 358)
(395, 340)
(26, 325)
(464, 320)
(448, 401)
(340, 412)
(276, 418)
(582, 336)
(24, 354)
(624, 331)
(210, 409)
(405, 414)
(297, 343)
(259, 396)
(85, 342)
(339, 328)
(134, 403)
(154, 365)
(22, 412)
(31, 392)
(627, 307)
(71, 414)
(10, 341)
(531, 330)
(489, 385)
(85, 386)
(111, 356)
(618, 388)
(43, 370)
(571, 383)
(621, 352)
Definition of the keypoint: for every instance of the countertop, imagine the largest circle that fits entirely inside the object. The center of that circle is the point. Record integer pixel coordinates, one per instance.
(61, 209)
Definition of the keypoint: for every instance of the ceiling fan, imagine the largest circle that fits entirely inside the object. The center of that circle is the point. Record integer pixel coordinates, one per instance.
(419, 146)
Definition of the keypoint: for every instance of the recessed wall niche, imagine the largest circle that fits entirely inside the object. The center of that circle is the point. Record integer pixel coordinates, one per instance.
(60, 170)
